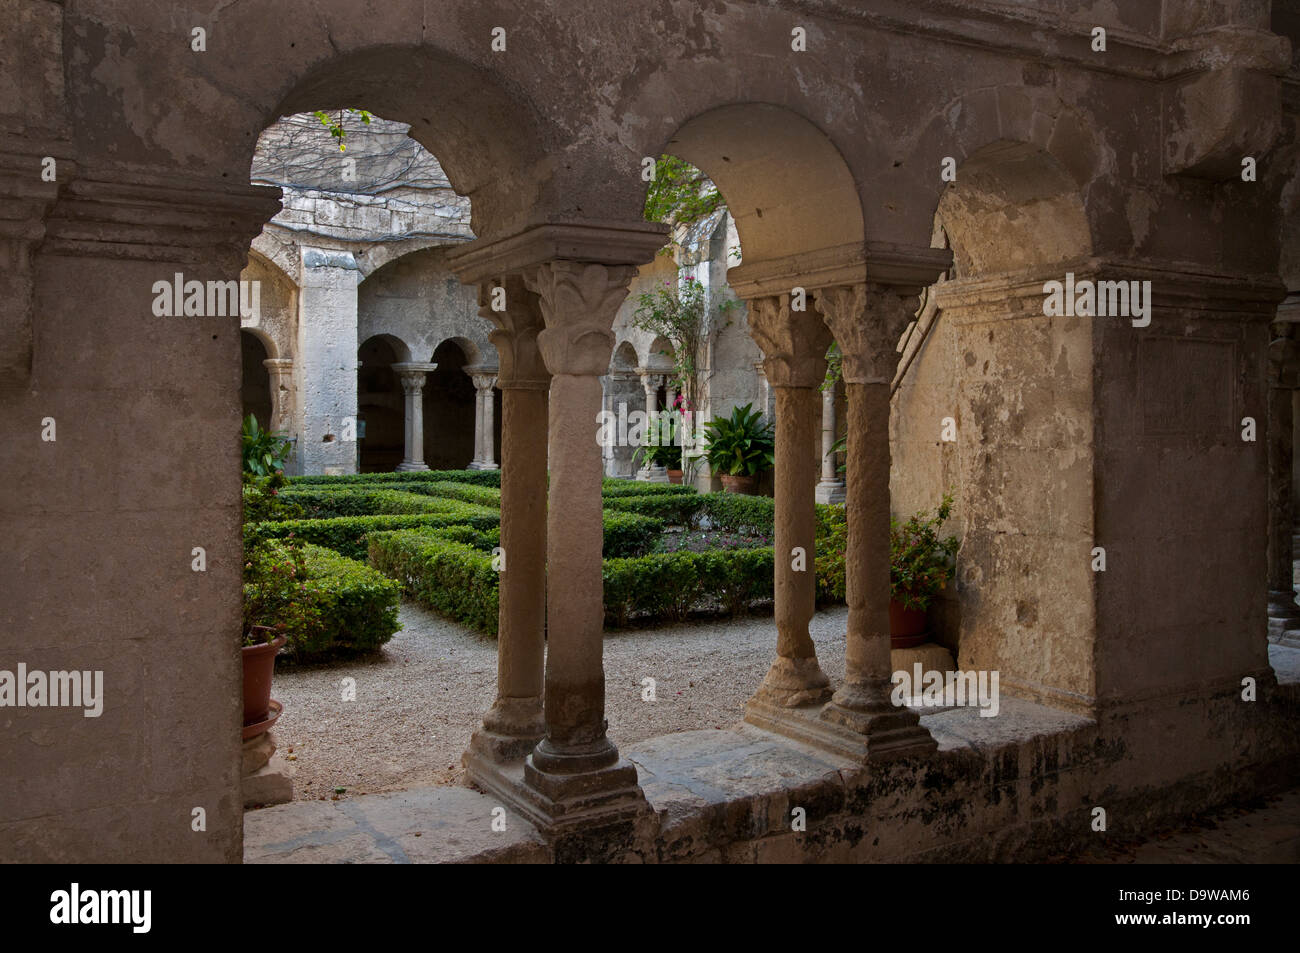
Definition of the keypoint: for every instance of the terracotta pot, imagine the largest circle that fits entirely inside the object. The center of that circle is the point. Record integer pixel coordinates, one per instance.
(259, 666)
(746, 485)
(675, 476)
(906, 626)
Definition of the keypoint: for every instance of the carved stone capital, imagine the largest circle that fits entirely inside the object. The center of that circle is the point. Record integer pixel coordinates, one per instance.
(867, 321)
(412, 375)
(578, 302)
(794, 343)
(515, 328)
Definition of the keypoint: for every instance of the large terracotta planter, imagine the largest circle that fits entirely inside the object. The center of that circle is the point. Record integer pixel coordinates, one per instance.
(906, 626)
(675, 476)
(744, 484)
(259, 666)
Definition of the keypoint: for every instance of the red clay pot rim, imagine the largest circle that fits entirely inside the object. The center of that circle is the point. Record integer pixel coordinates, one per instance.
(252, 731)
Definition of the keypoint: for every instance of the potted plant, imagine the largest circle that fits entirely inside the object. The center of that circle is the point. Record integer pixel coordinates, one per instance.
(275, 601)
(263, 452)
(739, 449)
(920, 565)
(661, 449)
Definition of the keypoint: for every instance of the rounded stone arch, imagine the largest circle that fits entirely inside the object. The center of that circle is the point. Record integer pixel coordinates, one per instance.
(788, 187)
(1031, 130)
(380, 403)
(624, 358)
(450, 406)
(660, 356)
(276, 321)
(1013, 206)
(470, 351)
(266, 340)
(255, 397)
(486, 133)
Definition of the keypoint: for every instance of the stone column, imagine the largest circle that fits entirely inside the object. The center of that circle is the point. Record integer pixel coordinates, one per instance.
(327, 359)
(768, 406)
(867, 322)
(280, 372)
(514, 724)
(576, 769)
(412, 374)
(794, 348)
(831, 487)
(651, 382)
(485, 381)
(1283, 612)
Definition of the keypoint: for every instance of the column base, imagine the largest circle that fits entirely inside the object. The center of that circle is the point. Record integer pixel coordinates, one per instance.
(564, 805)
(477, 465)
(793, 683)
(1282, 605)
(832, 492)
(653, 475)
(862, 737)
(405, 467)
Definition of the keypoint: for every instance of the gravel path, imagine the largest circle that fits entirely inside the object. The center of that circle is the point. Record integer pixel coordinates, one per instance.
(420, 698)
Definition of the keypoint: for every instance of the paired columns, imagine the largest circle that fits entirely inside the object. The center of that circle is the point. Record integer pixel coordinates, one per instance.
(411, 374)
(859, 721)
(543, 746)
(485, 382)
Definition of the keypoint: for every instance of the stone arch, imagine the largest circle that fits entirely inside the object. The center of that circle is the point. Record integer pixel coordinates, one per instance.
(1012, 206)
(486, 133)
(276, 320)
(624, 357)
(255, 381)
(471, 352)
(785, 182)
(659, 355)
(380, 403)
(450, 407)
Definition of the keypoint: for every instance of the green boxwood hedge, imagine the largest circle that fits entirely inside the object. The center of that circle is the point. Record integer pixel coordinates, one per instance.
(477, 477)
(363, 501)
(356, 607)
(614, 487)
(674, 509)
(465, 492)
(453, 578)
(346, 535)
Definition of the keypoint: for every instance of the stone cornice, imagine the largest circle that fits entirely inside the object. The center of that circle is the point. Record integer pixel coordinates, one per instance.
(600, 243)
(906, 268)
(1173, 285)
(149, 218)
(1044, 34)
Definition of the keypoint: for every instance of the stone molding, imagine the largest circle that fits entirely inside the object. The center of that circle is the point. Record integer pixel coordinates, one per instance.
(595, 243)
(867, 322)
(908, 267)
(514, 333)
(794, 348)
(579, 301)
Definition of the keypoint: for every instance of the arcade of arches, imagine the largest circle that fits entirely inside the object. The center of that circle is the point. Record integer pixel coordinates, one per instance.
(920, 223)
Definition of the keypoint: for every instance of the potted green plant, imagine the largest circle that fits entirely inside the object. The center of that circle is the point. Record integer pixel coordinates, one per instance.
(739, 449)
(275, 600)
(263, 452)
(920, 566)
(661, 449)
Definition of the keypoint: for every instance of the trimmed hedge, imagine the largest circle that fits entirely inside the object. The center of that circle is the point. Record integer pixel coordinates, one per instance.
(465, 492)
(674, 509)
(614, 487)
(346, 535)
(450, 577)
(477, 477)
(737, 513)
(629, 534)
(363, 501)
(356, 605)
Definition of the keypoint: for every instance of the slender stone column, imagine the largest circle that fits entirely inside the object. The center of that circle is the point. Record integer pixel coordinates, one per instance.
(412, 377)
(1283, 612)
(280, 372)
(514, 724)
(831, 487)
(326, 355)
(485, 380)
(576, 769)
(794, 348)
(867, 322)
(651, 382)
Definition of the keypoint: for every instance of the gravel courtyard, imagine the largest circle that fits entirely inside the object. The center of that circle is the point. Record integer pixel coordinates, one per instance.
(420, 698)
